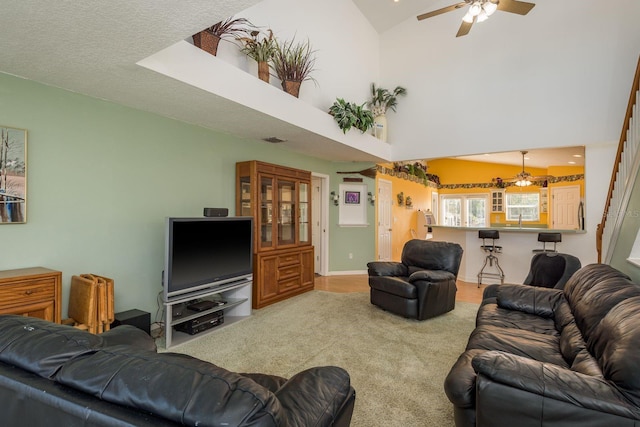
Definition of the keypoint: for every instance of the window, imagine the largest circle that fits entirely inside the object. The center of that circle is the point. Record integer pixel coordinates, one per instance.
(464, 210)
(523, 206)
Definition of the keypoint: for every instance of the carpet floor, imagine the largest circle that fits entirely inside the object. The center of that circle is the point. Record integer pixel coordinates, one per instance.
(397, 365)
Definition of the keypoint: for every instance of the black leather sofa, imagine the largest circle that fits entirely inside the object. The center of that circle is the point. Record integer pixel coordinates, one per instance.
(422, 285)
(55, 375)
(551, 357)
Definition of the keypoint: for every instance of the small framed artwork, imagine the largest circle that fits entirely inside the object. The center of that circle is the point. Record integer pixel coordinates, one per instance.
(352, 197)
(13, 175)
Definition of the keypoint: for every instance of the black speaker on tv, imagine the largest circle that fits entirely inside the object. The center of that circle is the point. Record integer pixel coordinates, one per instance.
(216, 212)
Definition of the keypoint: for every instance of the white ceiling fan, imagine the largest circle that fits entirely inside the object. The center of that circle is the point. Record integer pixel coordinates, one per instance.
(524, 178)
(480, 10)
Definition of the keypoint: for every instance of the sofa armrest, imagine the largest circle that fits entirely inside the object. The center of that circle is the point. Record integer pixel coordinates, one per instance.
(552, 382)
(387, 268)
(529, 299)
(433, 276)
(316, 396)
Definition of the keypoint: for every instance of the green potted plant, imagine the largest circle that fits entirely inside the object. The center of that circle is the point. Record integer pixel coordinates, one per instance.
(209, 38)
(382, 100)
(261, 48)
(349, 114)
(293, 63)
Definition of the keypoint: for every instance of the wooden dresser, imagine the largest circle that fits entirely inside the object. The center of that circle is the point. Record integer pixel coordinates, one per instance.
(279, 200)
(33, 292)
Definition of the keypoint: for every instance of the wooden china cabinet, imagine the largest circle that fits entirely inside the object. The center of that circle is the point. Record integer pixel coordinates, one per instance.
(279, 200)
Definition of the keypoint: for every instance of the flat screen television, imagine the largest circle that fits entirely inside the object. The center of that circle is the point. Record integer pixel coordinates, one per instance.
(206, 252)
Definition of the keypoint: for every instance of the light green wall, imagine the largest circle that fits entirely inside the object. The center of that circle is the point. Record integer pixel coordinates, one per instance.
(102, 178)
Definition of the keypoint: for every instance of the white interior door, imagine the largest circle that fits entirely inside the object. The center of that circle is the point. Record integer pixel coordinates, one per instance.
(384, 220)
(565, 202)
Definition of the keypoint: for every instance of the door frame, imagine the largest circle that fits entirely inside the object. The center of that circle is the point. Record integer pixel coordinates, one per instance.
(323, 202)
(379, 207)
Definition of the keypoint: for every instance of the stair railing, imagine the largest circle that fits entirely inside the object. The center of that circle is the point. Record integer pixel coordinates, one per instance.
(625, 169)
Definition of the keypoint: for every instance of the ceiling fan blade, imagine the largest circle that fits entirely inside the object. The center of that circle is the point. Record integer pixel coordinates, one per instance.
(441, 11)
(465, 27)
(515, 6)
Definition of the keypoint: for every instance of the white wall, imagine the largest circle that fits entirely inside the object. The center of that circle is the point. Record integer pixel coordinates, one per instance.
(346, 45)
(559, 76)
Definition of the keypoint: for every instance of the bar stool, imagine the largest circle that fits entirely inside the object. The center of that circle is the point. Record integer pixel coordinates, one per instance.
(490, 258)
(548, 238)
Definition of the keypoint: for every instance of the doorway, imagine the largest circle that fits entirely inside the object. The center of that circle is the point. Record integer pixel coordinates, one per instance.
(320, 218)
(384, 231)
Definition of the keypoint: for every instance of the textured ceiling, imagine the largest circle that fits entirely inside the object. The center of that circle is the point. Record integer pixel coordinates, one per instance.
(92, 47)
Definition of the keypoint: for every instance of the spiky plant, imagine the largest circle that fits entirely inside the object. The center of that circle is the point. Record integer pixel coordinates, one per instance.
(261, 49)
(293, 61)
(383, 99)
(230, 28)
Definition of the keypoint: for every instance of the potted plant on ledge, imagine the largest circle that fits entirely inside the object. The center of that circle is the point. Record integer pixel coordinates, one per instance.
(381, 101)
(349, 115)
(209, 38)
(293, 63)
(261, 50)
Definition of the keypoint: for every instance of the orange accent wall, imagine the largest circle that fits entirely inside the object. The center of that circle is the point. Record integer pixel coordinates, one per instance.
(404, 218)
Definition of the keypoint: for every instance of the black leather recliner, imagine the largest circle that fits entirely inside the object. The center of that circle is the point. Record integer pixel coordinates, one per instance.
(551, 269)
(423, 285)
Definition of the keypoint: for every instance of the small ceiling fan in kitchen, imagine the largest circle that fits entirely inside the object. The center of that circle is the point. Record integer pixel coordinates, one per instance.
(524, 178)
(480, 10)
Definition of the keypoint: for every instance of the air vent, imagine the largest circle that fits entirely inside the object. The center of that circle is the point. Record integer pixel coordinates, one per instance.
(273, 140)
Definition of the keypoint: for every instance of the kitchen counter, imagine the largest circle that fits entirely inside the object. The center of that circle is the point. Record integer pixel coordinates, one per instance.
(511, 228)
(517, 249)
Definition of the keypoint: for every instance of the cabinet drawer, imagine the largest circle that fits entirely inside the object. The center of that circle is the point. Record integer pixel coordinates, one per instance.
(25, 293)
(288, 284)
(288, 272)
(289, 259)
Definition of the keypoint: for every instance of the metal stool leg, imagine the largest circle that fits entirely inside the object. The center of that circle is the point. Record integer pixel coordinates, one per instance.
(491, 259)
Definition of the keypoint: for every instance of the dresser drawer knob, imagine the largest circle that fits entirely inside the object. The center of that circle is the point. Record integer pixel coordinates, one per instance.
(28, 291)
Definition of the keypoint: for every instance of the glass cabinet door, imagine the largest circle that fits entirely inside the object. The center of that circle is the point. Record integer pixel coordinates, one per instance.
(266, 211)
(303, 218)
(286, 210)
(245, 196)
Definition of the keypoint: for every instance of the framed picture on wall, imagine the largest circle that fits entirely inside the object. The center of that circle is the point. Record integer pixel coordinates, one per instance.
(13, 175)
(352, 197)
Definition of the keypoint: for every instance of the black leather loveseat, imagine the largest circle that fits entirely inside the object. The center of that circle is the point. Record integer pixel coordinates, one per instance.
(550, 357)
(54, 375)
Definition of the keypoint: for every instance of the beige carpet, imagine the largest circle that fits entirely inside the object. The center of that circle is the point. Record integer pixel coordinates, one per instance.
(397, 366)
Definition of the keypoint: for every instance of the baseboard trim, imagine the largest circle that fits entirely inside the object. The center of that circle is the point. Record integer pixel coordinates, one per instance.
(346, 273)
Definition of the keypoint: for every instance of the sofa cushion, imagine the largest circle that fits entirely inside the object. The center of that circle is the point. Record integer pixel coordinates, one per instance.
(42, 347)
(520, 342)
(571, 342)
(593, 291)
(491, 315)
(529, 299)
(173, 386)
(432, 255)
(615, 343)
(399, 286)
(586, 364)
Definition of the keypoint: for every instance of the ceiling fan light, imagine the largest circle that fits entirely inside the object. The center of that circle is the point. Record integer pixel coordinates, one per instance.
(482, 16)
(523, 183)
(475, 8)
(489, 8)
(468, 18)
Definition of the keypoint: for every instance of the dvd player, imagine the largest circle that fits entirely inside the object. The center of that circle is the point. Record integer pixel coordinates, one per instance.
(201, 324)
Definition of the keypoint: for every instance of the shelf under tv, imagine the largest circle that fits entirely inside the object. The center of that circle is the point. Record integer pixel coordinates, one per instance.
(237, 306)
